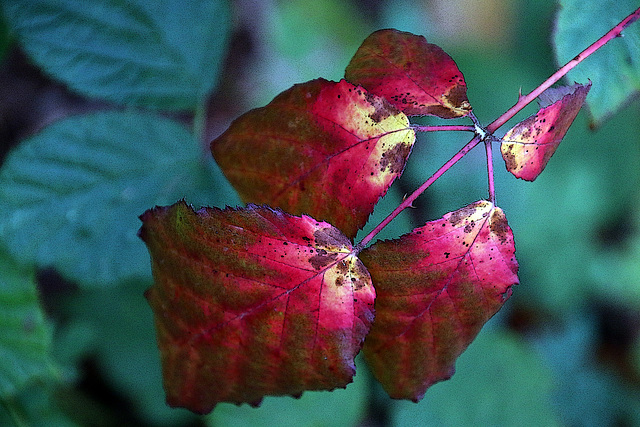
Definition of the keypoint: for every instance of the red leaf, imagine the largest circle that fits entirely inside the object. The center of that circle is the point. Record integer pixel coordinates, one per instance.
(253, 302)
(436, 287)
(416, 77)
(326, 149)
(528, 146)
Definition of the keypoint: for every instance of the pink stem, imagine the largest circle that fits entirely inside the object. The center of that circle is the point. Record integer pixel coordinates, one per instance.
(408, 201)
(522, 102)
(525, 100)
(463, 128)
(492, 186)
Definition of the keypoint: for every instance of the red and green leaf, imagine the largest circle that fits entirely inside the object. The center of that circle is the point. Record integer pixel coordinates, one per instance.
(252, 302)
(326, 149)
(436, 287)
(528, 146)
(417, 77)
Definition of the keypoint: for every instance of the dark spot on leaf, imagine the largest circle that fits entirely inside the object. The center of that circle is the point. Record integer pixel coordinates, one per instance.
(499, 226)
(510, 158)
(395, 158)
(382, 109)
(469, 227)
(331, 237)
(459, 215)
(322, 259)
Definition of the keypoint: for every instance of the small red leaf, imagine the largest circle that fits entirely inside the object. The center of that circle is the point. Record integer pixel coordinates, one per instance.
(528, 146)
(416, 77)
(326, 149)
(436, 287)
(253, 302)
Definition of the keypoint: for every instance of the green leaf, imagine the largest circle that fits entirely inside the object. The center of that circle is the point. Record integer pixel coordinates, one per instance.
(499, 382)
(314, 408)
(615, 68)
(71, 195)
(163, 54)
(25, 340)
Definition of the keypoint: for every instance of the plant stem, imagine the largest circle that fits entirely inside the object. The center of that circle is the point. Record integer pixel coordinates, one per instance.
(408, 201)
(486, 134)
(463, 128)
(492, 186)
(523, 101)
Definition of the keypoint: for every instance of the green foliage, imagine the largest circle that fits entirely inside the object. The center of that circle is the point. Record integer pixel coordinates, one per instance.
(513, 389)
(164, 54)
(26, 335)
(74, 192)
(615, 70)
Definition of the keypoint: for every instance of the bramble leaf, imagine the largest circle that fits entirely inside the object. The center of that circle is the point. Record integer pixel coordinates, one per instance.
(417, 77)
(436, 287)
(163, 54)
(528, 146)
(123, 162)
(252, 302)
(326, 149)
(616, 68)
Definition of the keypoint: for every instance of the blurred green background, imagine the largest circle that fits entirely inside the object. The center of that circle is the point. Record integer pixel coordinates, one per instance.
(107, 110)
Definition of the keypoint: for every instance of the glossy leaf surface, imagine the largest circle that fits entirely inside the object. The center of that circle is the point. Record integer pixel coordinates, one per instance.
(253, 302)
(528, 146)
(326, 149)
(417, 77)
(436, 287)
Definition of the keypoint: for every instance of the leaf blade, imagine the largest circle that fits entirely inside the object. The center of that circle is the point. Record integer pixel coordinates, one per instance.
(72, 193)
(528, 146)
(253, 302)
(614, 69)
(151, 54)
(417, 77)
(326, 149)
(435, 288)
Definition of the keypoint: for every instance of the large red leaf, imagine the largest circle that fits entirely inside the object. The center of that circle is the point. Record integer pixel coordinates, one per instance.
(415, 76)
(436, 287)
(528, 146)
(326, 149)
(253, 302)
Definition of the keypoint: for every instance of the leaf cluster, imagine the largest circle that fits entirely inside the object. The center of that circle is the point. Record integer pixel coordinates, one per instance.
(254, 302)
(73, 272)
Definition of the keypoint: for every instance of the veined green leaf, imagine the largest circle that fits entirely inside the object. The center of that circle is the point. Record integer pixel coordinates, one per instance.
(71, 195)
(164, 54)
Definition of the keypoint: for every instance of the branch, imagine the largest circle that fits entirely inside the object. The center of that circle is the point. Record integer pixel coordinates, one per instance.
(523, 101)
(408, 201)
(486, 134)
(463, 128)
